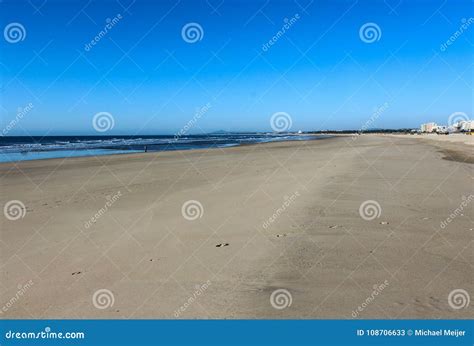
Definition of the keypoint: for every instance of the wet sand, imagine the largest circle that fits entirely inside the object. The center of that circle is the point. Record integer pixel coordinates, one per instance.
(277, 217)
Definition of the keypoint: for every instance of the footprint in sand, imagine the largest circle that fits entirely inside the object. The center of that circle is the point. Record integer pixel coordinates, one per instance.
(222, 244)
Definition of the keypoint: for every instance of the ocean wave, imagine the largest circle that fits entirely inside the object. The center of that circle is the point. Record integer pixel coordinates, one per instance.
(156, 143)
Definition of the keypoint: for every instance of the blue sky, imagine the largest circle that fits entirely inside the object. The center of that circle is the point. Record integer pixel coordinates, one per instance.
(152, 81)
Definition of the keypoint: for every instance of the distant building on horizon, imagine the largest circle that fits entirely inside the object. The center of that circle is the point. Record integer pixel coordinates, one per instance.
(428, 127)
(465, 125)
(460, 126)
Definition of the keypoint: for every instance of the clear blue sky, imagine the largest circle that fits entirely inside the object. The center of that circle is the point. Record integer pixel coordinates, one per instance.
(152, 81)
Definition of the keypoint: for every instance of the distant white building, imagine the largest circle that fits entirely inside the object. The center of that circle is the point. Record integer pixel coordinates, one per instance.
(428, 127)
(462, 126)
(467, 125)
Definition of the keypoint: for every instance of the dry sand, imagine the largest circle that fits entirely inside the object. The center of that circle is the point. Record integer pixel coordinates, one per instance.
(451, 138)
(157, 264)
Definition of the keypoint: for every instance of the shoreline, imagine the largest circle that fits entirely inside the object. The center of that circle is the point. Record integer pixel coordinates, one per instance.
(275, 216)
(437, 139)
(135, 153)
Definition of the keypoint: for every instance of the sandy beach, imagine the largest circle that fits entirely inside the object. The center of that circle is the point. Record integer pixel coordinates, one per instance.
(451, 138)
(277, 230)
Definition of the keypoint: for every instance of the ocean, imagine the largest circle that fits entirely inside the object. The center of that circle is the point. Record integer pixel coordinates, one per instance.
(21, 148)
